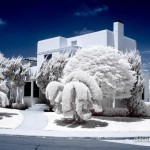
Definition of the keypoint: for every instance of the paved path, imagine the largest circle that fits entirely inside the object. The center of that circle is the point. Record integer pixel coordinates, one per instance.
(33, 120)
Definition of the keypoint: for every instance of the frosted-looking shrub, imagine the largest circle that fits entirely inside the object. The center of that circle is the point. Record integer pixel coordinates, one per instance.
(76, 101)
(52, 90)
(110, 68)
(89, 81)
(3, 87)
(135, 105)
(3, 100)
(73, 99)
(51, 70)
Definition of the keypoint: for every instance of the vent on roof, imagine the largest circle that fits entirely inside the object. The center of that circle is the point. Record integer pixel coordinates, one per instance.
(118, 20)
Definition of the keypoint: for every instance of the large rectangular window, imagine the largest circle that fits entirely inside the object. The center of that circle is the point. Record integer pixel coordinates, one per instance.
(35, 90)
(27, 89)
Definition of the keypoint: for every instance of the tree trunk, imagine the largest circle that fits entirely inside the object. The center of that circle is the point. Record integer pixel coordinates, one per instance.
(19, 96)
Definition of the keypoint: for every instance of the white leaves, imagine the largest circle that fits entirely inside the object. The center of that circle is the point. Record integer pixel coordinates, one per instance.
(110, 68)
(89, 81)
(52, 90)
(51, 70)
(76, 98)
(3, 99)
(3, 87)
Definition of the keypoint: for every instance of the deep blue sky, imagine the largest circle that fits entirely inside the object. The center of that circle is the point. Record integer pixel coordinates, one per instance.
(24, 22)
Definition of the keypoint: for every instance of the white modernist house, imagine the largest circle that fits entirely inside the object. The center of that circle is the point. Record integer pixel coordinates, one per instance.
(46, 49)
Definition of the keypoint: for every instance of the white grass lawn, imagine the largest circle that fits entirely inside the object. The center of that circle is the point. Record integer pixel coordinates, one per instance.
(10, 118)
(110, 124)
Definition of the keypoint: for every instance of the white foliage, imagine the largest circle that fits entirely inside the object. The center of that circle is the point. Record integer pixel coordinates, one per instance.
(109, 67)
(76, 98)
(3, 99)
(52, 90)
(90, 82)
(15, 71)
(3, 87)
(2, 58)
(51, 70)
(58, 100)
(134, 104)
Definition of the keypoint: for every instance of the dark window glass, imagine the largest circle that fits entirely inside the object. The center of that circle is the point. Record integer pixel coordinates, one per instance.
(48, 56)
(35, 90)
(27, 89)
(143, 95)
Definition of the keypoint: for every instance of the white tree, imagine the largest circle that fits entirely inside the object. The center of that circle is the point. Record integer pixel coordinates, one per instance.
(76, 97)
(51, 70)
(52, 90)
(134, 104)
(76, 101)
(110, 68)
(3, 99)
(54, 95)
(15, 74)
(90, 82)
(3, 87)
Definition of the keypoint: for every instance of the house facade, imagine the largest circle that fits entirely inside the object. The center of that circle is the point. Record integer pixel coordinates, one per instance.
(46, 49)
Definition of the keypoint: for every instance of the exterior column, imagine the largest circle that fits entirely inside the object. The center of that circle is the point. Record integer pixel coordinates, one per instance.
(32, 100)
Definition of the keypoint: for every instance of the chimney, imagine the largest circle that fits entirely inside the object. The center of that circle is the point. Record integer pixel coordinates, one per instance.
(118, 29)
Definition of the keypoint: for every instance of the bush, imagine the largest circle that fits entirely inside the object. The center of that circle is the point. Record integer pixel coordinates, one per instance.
(115, 112)
(19, 106)
(4, 102)
(51, 70)
(108, 66)
(135, 105)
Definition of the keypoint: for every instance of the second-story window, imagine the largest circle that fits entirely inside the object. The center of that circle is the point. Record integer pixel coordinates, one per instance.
(73, 43)
(48, 56)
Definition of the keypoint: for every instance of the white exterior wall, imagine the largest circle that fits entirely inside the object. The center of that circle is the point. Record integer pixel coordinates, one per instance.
(40, 59)
(122, 42)
(96, 38)
(129, 44)
(113, 38)
(48, 46)
(51, 44)
(110, 38)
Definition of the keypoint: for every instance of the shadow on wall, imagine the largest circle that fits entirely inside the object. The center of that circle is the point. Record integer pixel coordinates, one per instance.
(89, 124)
(8, 115)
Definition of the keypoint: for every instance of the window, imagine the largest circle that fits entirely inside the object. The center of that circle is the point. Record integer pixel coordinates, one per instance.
(27, 89)
(143, 95)
(73, 43)
(35, 90)
(48, 56)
